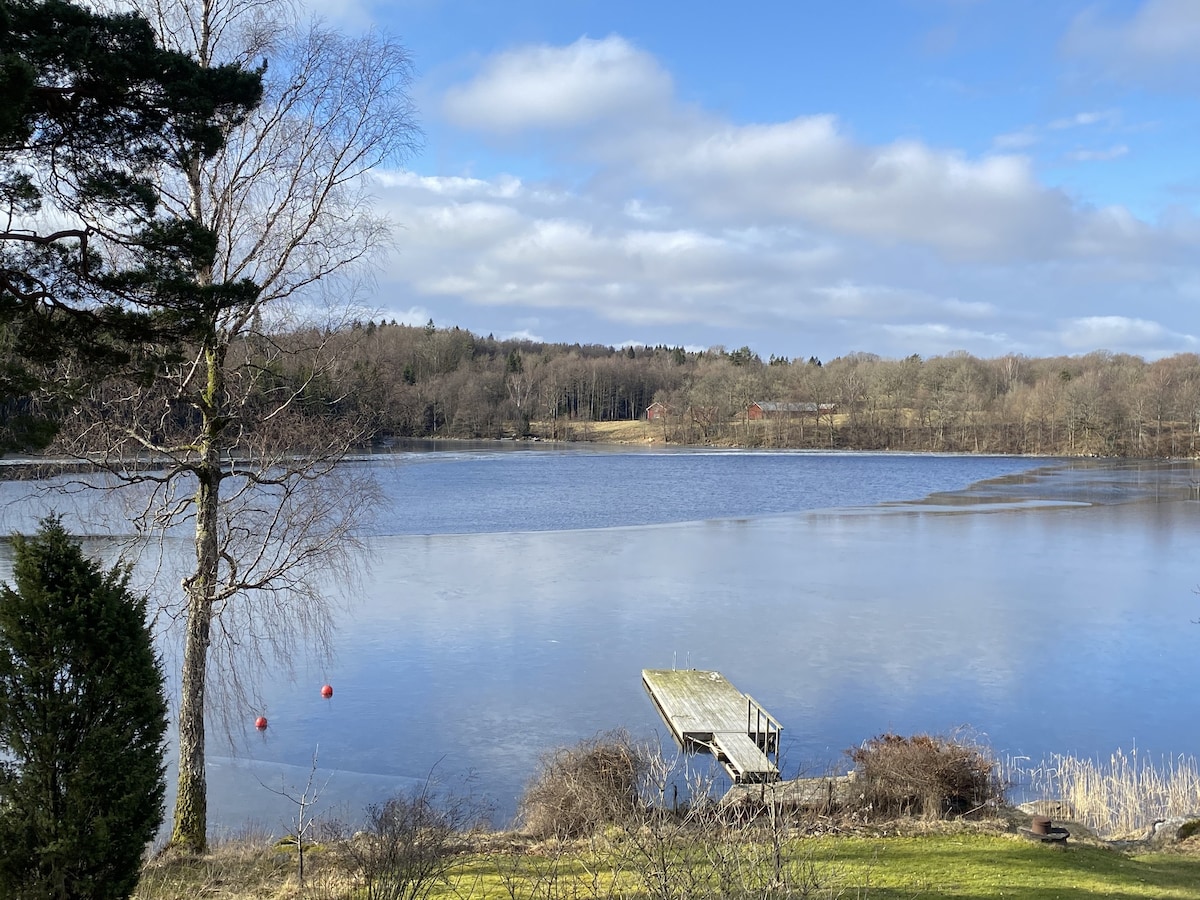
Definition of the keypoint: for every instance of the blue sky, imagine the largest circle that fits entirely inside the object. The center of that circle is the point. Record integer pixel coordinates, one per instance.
(891, 176)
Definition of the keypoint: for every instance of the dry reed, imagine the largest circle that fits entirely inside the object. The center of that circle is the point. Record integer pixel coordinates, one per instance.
(1122, 797)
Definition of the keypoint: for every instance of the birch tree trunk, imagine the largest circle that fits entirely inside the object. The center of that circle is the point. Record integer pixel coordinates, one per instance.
(191, 801)
(239, 447)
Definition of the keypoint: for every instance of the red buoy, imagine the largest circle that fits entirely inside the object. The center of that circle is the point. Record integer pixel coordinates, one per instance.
(327, 691)
(261, 723)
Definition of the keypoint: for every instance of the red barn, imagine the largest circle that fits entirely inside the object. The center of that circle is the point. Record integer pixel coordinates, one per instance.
(769, 410)
(657, 410)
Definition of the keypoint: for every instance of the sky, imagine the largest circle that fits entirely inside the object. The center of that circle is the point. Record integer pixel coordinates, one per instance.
(803, 178)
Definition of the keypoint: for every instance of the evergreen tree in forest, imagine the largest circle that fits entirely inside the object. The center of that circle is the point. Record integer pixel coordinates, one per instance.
(82, 723)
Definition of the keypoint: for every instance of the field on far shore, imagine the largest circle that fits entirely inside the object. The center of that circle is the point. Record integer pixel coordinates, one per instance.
(637, 431)
(646, 433)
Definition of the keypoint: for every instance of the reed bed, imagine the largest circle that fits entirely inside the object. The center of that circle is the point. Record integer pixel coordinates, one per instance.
(1123, 797)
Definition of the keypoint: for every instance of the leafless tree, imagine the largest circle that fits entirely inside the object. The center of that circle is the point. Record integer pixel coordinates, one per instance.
(236, 440)
(412, 843)
(304, 799)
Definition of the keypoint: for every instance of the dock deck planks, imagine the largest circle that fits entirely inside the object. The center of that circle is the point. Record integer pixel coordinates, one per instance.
(703, 710)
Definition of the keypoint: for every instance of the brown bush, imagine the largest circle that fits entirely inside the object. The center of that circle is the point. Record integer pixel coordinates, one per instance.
(577, 789)
(925, 776)
(410, 843)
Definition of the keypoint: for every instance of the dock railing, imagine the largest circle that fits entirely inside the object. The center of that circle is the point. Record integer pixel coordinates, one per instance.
(704, 711)
(762, 727)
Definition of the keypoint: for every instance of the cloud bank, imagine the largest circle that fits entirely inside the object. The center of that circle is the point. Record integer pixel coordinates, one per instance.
(670, 222)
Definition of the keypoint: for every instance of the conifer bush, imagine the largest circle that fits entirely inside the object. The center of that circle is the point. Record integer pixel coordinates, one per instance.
(82, 722)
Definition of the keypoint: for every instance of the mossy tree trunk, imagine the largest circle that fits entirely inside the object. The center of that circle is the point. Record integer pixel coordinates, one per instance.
(239, 427)
(190, 826)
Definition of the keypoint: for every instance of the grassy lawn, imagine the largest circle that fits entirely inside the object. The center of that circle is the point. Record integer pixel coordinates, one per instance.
(946, 865)
(986, 866)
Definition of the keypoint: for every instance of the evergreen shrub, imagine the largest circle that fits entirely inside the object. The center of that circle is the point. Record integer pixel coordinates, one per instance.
(82, 722)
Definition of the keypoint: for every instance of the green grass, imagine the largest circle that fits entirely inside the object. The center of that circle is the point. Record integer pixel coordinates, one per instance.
(985, 866)
(950, 863)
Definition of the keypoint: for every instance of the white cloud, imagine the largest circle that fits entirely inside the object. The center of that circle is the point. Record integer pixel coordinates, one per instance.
(850, 299)
(1114, 152)
(584, 256)
(640, 212)
(806, 172)
(940, 338)
(471, 223)
(1016, 140)
(1051, 133)
(1133, 335)
(545, 87)
(969, 309)
(1114, 232)
(523, 334)
(414, 316)
(1161, 39)
(678, 224)
(506, 186)
(518, 257)
(1083, 119)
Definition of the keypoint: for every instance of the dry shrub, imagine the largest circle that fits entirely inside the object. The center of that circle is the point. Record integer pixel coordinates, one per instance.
(924, 775)
(411, 843)
(577, 789)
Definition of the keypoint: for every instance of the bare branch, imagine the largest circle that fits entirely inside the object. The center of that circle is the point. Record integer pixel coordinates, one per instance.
(234, 442)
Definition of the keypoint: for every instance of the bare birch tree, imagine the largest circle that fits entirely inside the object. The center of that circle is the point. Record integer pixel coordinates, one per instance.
(236, 438)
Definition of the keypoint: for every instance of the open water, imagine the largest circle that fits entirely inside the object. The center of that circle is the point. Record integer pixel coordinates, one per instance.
(516, 593)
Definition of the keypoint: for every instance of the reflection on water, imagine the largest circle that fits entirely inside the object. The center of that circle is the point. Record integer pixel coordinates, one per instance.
(1059, 621)
(1050, 607)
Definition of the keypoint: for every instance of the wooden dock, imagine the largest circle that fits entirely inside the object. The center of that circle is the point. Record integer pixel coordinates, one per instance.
(706, 712)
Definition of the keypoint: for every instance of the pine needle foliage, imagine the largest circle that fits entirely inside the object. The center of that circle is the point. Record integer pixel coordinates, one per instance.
(82, 723)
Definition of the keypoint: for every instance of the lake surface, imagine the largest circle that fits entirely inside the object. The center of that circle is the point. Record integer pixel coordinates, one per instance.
(516, 593)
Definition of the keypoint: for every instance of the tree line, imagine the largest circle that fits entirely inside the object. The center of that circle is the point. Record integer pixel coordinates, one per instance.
(397, 381)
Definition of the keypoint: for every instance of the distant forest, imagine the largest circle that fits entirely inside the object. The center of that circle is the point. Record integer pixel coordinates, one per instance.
(402, 381)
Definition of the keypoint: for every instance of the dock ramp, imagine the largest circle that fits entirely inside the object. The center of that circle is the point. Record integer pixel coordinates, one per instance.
(705, 712)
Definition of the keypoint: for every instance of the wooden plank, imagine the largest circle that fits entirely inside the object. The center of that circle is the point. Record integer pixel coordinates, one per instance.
(744, 760)
(703, 710)
(699, 702)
